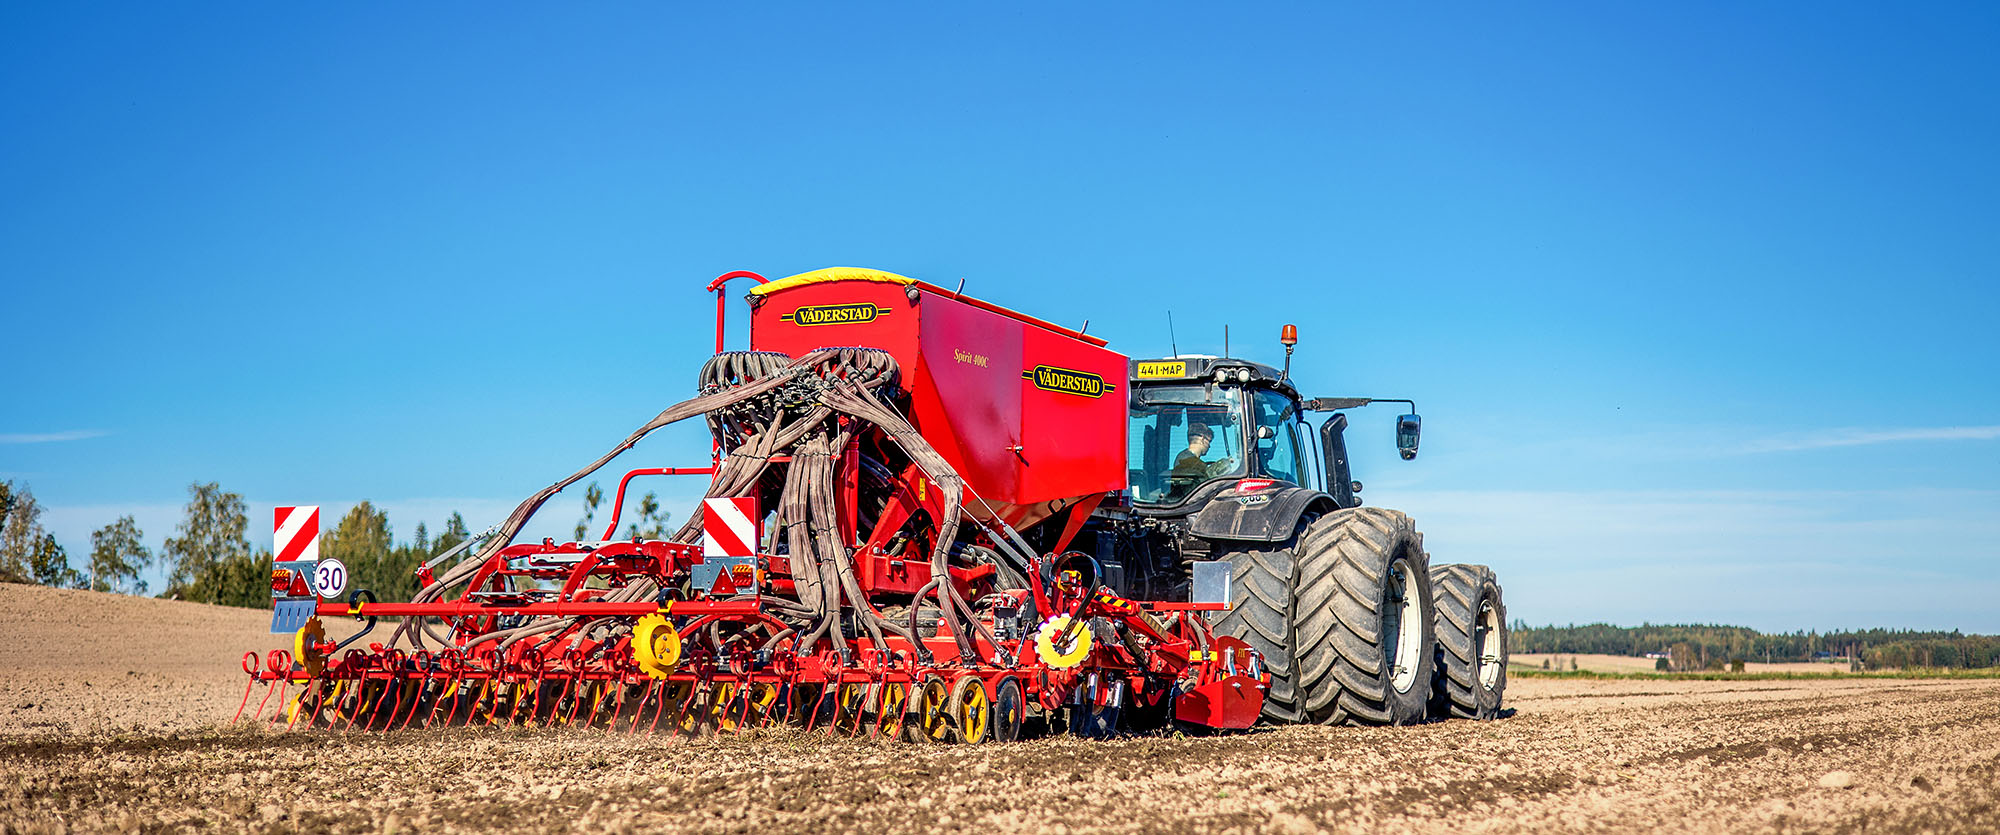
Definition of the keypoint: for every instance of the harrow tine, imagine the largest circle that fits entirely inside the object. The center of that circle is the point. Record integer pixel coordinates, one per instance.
(417, 700)
(514, 711)
(280, 686)
(423, 661)
(360, 692)
(576, 701)
(639, 711)
(572, 692)
(438, 701)
(311, 687)
(252, 685)
(388, 686)
(492, 690)
(602, 691)
(249, 668)
(817, 704)
(659, 707)
(623, 688)
(320, 704)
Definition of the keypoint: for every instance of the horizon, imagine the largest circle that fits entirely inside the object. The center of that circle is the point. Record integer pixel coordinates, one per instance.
(1696, 301)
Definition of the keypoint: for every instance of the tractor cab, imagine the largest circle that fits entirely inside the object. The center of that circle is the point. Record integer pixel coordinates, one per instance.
(1200, 424)
(1203, 425)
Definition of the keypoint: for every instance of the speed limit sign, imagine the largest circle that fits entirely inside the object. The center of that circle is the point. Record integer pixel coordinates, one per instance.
(330, 577)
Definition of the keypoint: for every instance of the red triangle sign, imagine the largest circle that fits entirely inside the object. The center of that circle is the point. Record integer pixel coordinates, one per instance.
(299, 588)
(723, 585)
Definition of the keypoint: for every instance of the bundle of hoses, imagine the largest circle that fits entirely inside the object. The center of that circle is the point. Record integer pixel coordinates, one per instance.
(760, 405)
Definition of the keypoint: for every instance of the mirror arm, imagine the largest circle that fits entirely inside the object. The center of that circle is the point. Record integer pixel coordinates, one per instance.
(1328, 404)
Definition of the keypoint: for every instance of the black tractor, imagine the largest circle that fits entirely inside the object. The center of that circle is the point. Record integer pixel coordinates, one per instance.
(1235, 497)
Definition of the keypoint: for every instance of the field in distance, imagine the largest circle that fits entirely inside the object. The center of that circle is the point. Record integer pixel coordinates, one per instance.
(1624, 664)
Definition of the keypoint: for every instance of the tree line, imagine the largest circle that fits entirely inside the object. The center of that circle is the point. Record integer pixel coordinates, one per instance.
(1697, 646)
(210, 559)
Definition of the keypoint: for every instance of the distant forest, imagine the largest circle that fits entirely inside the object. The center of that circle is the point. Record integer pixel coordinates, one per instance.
(1707, 646)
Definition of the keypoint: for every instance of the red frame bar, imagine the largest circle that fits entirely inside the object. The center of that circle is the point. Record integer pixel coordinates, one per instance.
(720, 301)
(618, 506)
(457, 608)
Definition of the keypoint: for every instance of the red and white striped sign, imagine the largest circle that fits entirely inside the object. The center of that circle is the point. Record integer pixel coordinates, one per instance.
(729, 527)
(297, 536)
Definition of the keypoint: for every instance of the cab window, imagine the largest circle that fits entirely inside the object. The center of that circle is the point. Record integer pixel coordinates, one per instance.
(1278, 452)
(1182, 436)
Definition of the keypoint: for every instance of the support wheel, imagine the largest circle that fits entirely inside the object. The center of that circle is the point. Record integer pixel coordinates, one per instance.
(1471, 676)
(1010, 710)
(1362, 620)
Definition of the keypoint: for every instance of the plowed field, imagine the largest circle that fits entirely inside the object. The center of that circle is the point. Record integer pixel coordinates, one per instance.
(113, 710)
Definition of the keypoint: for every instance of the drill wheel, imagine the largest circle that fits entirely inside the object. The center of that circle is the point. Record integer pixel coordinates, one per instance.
(971, 711)
(933, 715)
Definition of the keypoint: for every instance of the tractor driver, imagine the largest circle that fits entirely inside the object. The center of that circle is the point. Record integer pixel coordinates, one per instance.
(1189, 468)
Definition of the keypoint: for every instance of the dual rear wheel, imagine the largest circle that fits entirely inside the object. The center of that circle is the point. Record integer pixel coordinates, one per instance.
(1357, 628)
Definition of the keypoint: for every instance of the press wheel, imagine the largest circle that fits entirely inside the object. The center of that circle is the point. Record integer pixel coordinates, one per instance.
(971, 711)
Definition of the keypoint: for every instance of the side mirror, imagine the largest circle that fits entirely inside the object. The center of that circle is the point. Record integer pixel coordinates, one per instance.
(1408, 429)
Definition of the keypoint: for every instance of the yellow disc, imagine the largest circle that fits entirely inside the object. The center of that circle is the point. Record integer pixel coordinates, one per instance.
(1063, 657)
(305, 647)
(656, 645)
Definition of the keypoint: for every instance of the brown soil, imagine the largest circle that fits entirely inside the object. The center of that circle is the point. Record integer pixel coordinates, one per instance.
(113, 704)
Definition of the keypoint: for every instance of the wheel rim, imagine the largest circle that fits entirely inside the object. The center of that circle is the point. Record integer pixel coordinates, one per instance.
(1488, 626)
(1403, 623)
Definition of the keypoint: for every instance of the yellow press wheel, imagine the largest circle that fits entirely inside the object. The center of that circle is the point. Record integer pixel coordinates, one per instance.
(971, 710)
(850, 700)
(292, 708)
(656, 645)
(676, 700)
(720, 698)
(933, 721)
(305, 647)
(803, 703)
(760, 696)
(894, 700)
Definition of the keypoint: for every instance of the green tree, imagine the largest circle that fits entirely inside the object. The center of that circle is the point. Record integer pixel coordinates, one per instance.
(592, 497)
(454, 533)
(117, 552)
(361, 541)
(652, 521)
(211, 549)
(20, 531)
(49, 565)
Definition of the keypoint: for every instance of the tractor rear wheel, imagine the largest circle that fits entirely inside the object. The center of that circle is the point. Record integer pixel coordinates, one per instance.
(1471, 676)
(1362, 620)
(1260, 611)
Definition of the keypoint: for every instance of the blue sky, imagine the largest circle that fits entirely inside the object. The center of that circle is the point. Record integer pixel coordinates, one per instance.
(1696, 298)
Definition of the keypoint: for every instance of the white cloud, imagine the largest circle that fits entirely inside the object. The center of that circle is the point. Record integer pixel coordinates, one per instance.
(1769, 559)
(50, 437)
(1864, 437)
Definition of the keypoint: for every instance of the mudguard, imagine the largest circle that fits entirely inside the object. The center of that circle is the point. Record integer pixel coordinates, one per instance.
(1267, 515)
